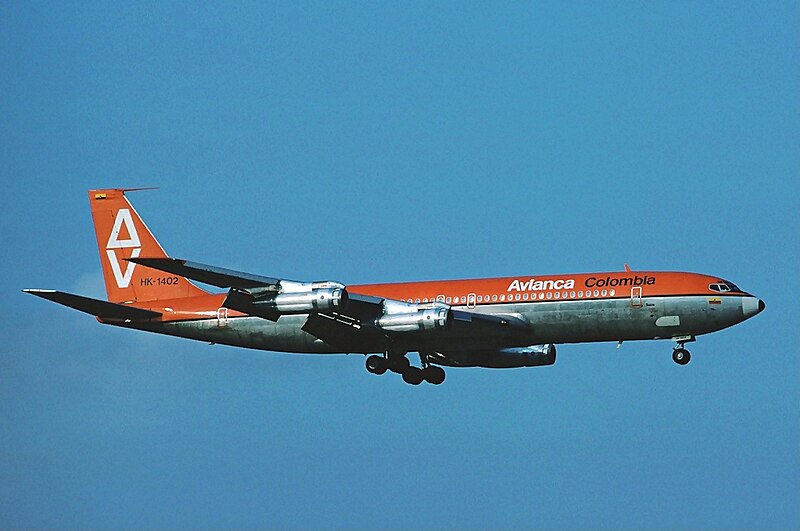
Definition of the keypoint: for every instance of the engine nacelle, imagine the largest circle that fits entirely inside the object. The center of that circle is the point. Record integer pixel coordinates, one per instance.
(506, 358)
(532, 356)
(304, 302)
(427, 319)
(270, 303)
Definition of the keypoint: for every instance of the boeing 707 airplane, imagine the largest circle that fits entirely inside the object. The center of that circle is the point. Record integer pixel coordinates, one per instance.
(495, 322)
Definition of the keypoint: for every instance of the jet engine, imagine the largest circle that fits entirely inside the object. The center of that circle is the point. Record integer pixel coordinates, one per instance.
(532, 356)
(287, 298)
(424, 319)
(304, 302)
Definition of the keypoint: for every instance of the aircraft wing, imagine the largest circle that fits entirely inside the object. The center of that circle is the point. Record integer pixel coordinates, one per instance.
(336, 315)
(215, 276)
(98, 308)
(358, 328)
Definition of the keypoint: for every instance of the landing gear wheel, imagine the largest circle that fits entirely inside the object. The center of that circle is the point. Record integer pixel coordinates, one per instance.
(412, 375)
(433, 375)
(681, 356)
(399, 364)
(377, 364)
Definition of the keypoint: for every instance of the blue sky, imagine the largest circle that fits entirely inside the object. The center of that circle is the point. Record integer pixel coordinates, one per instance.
(376, 142)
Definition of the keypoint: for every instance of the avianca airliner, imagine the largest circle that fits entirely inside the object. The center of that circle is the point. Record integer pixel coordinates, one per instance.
(494, 322)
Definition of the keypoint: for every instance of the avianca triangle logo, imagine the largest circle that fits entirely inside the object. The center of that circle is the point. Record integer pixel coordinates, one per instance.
(124, 220)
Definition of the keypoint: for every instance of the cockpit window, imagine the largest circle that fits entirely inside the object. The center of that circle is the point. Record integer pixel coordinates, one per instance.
(723, 286)
(732, 286)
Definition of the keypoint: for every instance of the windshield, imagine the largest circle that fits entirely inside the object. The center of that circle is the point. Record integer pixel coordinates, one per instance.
(723, 286)
(732, 286)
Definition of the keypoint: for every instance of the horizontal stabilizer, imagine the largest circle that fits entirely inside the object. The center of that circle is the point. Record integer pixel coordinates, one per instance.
(102, 309)
(215, 276)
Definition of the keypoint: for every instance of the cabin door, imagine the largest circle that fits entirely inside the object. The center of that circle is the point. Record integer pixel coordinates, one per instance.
(636, 296)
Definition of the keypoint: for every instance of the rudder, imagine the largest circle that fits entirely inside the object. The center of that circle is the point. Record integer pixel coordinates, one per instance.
(122, 234)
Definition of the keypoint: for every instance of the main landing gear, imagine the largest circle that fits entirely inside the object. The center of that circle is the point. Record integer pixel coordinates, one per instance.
(398, 363)
(680, 355)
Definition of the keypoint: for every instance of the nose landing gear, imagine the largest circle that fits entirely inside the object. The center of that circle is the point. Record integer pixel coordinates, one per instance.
(680, 355)
(398, 363)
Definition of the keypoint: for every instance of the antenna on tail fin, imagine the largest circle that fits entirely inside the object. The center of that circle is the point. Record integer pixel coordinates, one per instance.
(121, 234)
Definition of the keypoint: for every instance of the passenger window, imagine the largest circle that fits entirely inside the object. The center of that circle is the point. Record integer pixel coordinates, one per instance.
(571, 294)
(494, 297)
(557, 295)
(604, 293)
(596, 293)
(549, 295)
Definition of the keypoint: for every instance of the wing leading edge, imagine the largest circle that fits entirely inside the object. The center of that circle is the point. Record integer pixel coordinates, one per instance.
(215, 276)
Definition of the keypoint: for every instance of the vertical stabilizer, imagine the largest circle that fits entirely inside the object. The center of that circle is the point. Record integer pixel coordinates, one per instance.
(122, 234)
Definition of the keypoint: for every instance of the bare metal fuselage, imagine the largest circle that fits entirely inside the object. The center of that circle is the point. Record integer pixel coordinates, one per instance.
(565, 321)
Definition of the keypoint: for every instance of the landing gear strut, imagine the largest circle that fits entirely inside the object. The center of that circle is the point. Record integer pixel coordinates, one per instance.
(397, 362)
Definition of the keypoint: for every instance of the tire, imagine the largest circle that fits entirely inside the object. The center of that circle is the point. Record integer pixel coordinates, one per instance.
(412, 376)
(433, 375)
(681, 356)
(399, 364)
(376, 364)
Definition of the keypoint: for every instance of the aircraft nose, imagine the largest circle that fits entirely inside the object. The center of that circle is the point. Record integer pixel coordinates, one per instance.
(752, 306)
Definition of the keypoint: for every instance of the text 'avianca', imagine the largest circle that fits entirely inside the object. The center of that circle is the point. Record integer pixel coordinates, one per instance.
(539, 285)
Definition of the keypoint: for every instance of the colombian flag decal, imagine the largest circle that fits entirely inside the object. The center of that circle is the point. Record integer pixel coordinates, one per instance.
(715, 300)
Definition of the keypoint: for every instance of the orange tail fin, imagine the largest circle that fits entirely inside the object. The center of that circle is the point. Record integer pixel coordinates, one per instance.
(122, 234)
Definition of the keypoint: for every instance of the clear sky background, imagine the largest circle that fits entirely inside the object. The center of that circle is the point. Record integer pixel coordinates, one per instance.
(374, 142)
